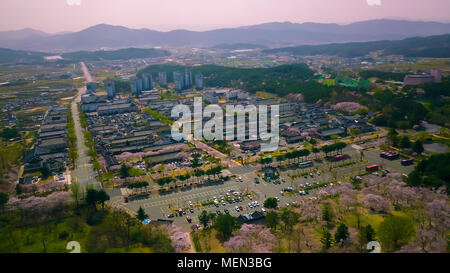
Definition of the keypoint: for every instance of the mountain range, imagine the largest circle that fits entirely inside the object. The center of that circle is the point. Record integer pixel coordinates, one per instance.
(278, 34)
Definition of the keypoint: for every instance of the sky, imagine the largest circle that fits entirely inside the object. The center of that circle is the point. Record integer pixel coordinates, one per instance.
(54, 16)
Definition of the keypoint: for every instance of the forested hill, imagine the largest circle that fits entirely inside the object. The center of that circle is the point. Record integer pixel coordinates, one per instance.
(433, 47)
(20, 56)
(121, 54)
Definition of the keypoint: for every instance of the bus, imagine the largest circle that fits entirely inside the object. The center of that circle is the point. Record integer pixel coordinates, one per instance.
(305, 164)
(407, 162)
(390, 155)
(372, 168)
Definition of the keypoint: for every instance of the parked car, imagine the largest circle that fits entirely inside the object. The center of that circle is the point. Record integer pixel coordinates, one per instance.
(170, 215)
(226, 211)
(189, 219)
(236, 208)
(191, 210)
(218, 212)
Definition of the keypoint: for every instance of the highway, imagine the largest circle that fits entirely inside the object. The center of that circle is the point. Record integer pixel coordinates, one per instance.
(83, 172)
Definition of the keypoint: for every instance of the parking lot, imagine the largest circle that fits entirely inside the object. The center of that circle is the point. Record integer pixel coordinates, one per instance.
(160, 206)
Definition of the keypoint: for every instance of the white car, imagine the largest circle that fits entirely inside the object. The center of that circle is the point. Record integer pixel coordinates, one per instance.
(263, 210)
(281, 193)
(250, 205)
(223, 203)
(250, 197)
(236, 208)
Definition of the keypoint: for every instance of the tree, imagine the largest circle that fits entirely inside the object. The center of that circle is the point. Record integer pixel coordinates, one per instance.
(75, 191)
(195, 162)
(392, 134)
(225, 224)
(102, 197)
(124, 171)
(271, 203)
(206, 217)
(395, 232)
(327, 213)
(45, 172)
(91, 197)
(326, 239)
(94, 197)
(141, 215)
(272, 220)
(341, 234)
(289, 218)
(405, 142)
(369, 233)
(418, 147)
(3, 200)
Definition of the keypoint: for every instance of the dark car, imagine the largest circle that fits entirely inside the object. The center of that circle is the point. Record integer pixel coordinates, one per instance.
(189, 219)
(191, 210)
(170, 215)
(218, 212)
(256, 180)
(226, 211)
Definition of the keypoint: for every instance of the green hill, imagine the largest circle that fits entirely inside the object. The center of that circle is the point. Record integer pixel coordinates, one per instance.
(433, 47)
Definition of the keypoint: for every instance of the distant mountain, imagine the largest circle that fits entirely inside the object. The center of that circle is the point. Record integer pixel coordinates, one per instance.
(9, 39)
(437, 46)
(269, 34)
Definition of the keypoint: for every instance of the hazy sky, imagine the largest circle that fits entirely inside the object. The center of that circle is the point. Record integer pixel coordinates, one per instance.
(73, 15)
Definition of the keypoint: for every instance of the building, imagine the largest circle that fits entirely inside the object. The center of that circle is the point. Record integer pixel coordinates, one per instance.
(113, 109)
(162, 79)
(147, 81)
(140, 85)
(91, 87)
(110, 86)
(199, 81)
(435, 76)
(178, 81)
(187, 80)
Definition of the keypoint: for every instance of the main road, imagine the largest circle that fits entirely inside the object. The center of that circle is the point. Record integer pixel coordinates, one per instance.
(83, 172)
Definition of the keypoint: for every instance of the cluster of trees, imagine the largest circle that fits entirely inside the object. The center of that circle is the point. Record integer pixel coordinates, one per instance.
(95, 197)
(158, 116)
(9, 133)
(139, 184)
(335, 147)
(289, 155)
(271, 203)
(397, 111)
(71, 136)
(280, 80)
(404, 142)
(89, 142)
(433, 172)
(384, 75)
(439, 108)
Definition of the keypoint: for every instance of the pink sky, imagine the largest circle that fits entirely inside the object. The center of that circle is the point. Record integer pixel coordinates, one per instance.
(57, 15)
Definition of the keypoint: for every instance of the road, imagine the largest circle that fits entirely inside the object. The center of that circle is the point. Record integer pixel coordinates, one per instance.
(83, 172)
